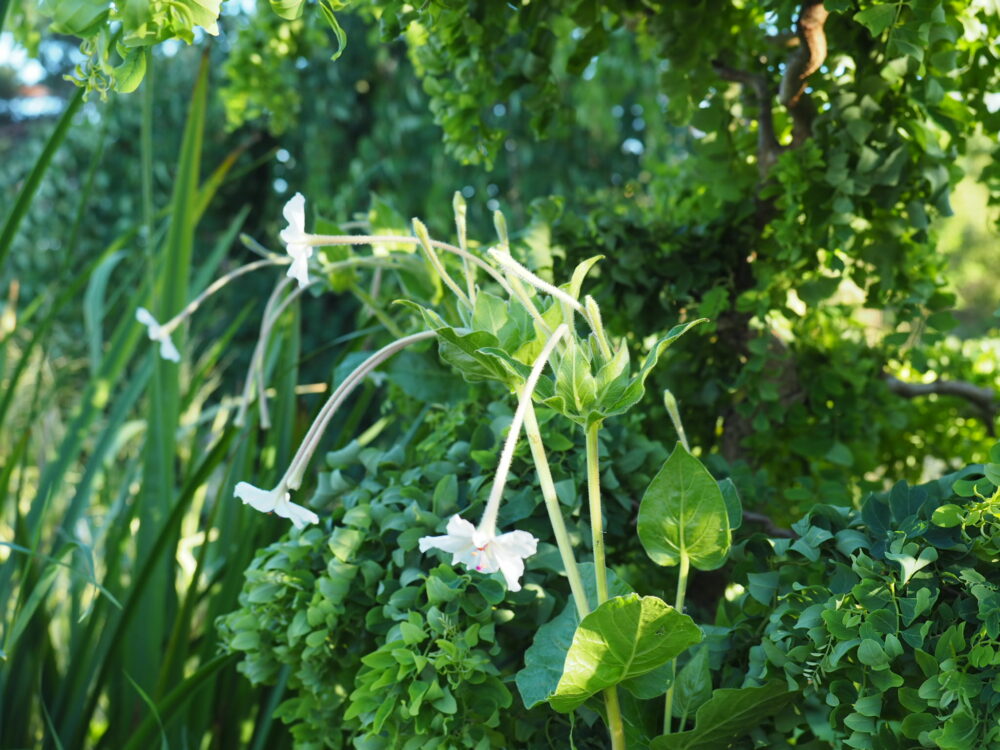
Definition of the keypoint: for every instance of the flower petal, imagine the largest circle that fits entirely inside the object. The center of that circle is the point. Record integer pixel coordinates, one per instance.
(297, 514)
(295, 213)
(458, 541)
(255, 497)
(299, 270)
(512, 568)
(519, 543)
(458, 526)
(510, 550)
(145, 317)
(167, 349)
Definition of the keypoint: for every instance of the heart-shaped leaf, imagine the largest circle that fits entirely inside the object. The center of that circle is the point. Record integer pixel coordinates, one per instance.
(544, 660)
(623, 638)
(684, 513)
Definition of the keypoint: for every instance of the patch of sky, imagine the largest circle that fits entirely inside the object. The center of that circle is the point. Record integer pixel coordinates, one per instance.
(632, 146)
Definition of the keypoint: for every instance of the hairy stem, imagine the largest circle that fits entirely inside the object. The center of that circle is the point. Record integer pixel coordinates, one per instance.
(682, 582)
(489, 521)
(615, 726)
(296, 469)
(555, 513)
(596, 520)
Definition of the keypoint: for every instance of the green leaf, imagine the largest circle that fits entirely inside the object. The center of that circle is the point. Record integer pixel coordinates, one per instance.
(574, 382)
(490, 313)
(877, 18)
(727, 716)
(77, 17)
(327, 9)
(992, 472)
(637, 387)
(734, 506)
(580, 272)
(625, 637)
(910, 559)
(694, 685)
(948, 515)
(288, 9)
(652, 684)
(683, 512)
(462, 350)
(871, 654)
(30, 185)
(543, 661)
(132, 70)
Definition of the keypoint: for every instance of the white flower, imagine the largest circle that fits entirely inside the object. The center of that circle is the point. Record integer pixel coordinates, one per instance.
(484, 551)
(157, 333)
(296, 240)
(275, 501)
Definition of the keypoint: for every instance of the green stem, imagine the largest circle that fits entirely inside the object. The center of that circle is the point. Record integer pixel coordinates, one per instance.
(596, 520)
(555, 513)
(682, 582)
(615, 726)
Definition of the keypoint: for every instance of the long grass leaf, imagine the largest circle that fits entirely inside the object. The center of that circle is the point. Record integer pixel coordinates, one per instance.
(152, 710)
(94, 307)
(34, 179)
(176, 698)
(174, 266)
(167, 530)
(38, 593)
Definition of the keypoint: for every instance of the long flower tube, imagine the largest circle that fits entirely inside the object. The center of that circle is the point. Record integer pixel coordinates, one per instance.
(479, 547)
(277, 499)
(161, 332)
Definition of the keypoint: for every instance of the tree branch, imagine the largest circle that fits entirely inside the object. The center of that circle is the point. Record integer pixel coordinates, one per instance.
(984, 399)
(805, 61)
(768, 148)
(770, 528)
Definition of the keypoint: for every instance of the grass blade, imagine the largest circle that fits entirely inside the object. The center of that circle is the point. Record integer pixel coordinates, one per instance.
(34, 178)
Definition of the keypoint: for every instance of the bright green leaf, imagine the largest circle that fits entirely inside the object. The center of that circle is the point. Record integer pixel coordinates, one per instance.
(683, 512)
(625, 637)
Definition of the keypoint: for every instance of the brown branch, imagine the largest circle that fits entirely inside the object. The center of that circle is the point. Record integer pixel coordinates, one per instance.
(805, 61)
(768, 148)
(984, 399)
(770, 528)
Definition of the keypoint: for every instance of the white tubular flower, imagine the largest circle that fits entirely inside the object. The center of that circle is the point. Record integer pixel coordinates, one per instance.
(479, 547)
(159, 334)
(275, 501)
(485, 552)
(297, 242)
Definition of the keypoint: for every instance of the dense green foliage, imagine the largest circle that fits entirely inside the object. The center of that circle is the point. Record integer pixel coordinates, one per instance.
(884, 619)
(768, 178)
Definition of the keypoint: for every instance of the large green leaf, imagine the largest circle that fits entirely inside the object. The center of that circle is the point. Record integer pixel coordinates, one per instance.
(637, 387)
(461, 349)
(728, 715)
(694, 685)
(543, 661)
(34, 178)
(625, 637)
(684, 513)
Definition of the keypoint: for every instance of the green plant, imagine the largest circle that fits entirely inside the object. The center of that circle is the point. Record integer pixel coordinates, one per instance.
(883, 620)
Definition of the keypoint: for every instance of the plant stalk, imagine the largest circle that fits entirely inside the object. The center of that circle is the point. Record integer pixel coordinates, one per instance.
(596, 519)
(555, 513)
(615, 726)
(682, 581)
